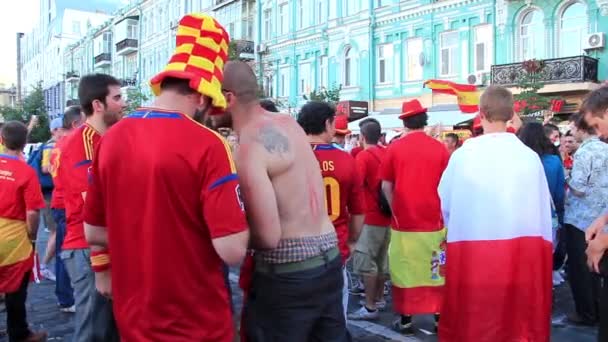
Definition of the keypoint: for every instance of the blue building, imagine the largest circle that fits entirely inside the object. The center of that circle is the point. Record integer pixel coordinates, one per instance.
(380, 51)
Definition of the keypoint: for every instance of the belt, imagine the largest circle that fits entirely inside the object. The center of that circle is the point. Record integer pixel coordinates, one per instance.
(310, 263)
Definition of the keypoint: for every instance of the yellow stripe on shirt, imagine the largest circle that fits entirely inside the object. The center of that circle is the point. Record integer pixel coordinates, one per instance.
(224, 142)
(15, 246)
(87, 139)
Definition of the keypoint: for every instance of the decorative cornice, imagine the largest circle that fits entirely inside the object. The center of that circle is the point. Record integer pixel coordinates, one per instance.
(425, 9)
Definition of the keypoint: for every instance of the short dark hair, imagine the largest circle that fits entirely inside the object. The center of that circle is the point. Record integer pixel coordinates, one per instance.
(417, 121)
(94, 87)
(178, 85)
(366, 120)
(454, 137)
(14, 135)
(533, 135)
(72, 114)
(549, 128)
(314, 115)
(581, 124)
(269, 105)
(371, 131)
(496, 103)
(596, 102)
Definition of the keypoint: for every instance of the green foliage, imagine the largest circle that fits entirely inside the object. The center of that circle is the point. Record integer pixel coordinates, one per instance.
(331, 95)
(233, 54)
(33, 105)
(529, 101)
(135, 98)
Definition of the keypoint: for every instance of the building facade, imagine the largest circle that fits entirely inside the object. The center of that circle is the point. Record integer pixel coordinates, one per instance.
(61, 23)
(379, 51)
(568, 36)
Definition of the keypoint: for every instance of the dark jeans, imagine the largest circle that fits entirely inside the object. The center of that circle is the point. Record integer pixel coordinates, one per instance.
(602, 335)
(63, 286)
(585, 285)
(298, 306)
(16, 317)
(559, 256)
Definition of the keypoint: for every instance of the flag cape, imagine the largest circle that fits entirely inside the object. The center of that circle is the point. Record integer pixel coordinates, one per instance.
(496, 205)
(417, 262)
(15, 254)
(468, 96)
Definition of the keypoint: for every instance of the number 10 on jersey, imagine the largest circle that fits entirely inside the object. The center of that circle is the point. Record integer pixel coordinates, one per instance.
(332, 197)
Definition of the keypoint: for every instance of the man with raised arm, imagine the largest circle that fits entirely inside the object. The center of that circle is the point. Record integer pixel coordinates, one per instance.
(296, 290)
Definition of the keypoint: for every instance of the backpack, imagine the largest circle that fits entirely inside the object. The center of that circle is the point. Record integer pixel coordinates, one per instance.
(383, 204)
(35, 160)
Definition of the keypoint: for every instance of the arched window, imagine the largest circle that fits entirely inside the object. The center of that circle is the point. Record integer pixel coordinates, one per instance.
(531, 35)
(347, 67)
(572, 29)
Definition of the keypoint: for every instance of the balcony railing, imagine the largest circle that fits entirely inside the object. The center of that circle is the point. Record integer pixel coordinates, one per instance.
(103, 57)
(128, 82)
(556, 70)
(72, 76)
(126, 45)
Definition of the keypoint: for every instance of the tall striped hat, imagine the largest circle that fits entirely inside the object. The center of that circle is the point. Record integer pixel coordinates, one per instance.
(200, 53)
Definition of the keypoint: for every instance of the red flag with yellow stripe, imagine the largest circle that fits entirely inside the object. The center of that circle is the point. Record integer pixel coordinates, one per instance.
(468, 95)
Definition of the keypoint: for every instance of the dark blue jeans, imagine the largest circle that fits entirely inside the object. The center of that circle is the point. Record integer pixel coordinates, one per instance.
(63, 287)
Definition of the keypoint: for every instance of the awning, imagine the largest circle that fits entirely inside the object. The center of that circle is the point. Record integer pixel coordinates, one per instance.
(392, 121)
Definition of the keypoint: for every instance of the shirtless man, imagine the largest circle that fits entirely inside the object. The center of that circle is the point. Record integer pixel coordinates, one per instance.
(296, 292)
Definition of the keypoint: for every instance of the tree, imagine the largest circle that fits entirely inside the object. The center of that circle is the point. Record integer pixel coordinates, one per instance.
(135, 98)
(233, 54)
(34, 104)
(331, 95)
(529, 103)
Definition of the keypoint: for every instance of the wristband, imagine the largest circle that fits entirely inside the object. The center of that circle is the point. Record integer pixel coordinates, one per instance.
(100, 261)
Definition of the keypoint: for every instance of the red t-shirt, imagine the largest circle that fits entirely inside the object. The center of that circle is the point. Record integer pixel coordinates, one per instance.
(368, 163)
(74, 162)
(19, 188)
(343, 188)
(165, 186)
(414, 164)
(57, 196)
(355, 151)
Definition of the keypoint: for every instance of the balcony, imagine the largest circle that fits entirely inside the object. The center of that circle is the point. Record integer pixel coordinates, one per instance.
(72, 77)
(556, 71)
(128, 83)
(244, 49)
(126, 46)
(103, 59)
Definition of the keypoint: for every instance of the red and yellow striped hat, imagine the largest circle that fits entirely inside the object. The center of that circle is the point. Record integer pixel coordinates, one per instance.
(200, 53)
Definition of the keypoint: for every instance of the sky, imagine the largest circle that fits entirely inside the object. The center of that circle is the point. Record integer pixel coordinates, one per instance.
(15, 16)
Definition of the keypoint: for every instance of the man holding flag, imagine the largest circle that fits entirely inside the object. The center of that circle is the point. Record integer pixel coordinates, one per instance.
(496, 205)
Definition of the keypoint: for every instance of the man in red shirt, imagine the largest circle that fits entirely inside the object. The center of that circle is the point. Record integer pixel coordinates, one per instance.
(102, 104)
(20, 204)
(410, 172)
(341, 130)
(72, 118)
(165, 195)
(343, 185)
(370, 256)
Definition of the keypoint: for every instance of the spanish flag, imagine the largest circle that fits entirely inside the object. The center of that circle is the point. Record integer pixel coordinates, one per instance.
(468, 96)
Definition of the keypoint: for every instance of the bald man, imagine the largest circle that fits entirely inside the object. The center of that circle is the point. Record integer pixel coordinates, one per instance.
(296, 291)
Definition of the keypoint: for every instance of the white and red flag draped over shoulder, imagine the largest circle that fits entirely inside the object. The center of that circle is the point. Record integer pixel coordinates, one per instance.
(497, 209)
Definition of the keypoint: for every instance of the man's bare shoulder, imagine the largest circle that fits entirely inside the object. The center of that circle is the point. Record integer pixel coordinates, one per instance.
(272, 134)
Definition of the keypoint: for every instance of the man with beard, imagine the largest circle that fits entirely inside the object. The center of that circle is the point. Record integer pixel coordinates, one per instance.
(102, 104)
(296, 289)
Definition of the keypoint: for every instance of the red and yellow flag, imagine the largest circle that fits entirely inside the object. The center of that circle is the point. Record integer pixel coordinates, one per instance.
(468, 96)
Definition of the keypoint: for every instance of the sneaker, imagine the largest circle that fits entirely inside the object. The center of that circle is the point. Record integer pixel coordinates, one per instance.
(36, 337)
(363, 314)
(557, 278)
(406, 329)
(68, 309)
(47, 273)
(381, 305)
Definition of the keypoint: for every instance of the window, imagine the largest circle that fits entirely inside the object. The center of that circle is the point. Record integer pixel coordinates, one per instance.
(531, 36)
(347, 78)
(132, 30)
(483, 48)
(283, 21)
(76, 27)
(379, 3)
(304, 78)
(572, 30)
(300, 13)
(448, 46)
(284, 82)
(320, 12)
(267, 24)
(385, 53)
(413, 68)
(322, 81)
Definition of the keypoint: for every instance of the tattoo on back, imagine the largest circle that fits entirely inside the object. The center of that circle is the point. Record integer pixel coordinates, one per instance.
(273, 140)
